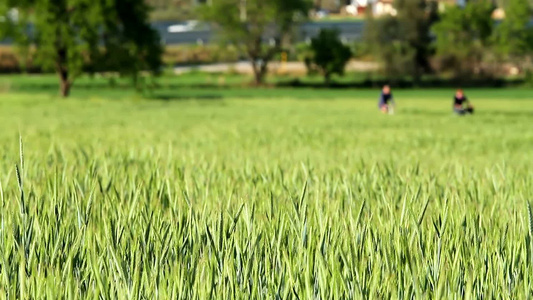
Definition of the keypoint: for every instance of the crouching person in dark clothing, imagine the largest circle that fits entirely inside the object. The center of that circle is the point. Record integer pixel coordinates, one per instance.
(461, 105)
(386, 101)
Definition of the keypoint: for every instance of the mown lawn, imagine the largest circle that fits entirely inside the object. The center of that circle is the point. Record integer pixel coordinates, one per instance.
(263, 193)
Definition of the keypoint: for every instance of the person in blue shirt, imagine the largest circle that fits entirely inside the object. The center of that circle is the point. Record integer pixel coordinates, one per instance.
(386, 100)
(461, 105)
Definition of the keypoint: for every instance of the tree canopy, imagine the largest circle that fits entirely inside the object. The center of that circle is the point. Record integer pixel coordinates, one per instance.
(513, 37)
(403, 42)
(463, 38)
(73, 36)
(260, 28)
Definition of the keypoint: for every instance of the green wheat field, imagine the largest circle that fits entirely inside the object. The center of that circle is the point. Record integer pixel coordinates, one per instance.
(270, 194)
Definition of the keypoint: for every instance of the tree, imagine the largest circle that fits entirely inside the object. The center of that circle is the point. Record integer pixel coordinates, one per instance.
(259, 28)
(416, 18)
(514, 37)
(385, 40)
(329, 54)
(72, 36)
(131, 45)
(331, 5)
(12, 15)
(463, 37)
(403, 41)
(172, 9)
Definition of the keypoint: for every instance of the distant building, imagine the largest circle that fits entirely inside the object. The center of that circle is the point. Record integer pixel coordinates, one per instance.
(386, 7)
(12, 15)
(379, 7)
(357, 7)
(498, 14)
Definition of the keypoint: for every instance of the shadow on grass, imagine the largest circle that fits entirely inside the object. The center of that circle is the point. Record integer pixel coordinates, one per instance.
(479, 112)
(97, 85)
(426, 83)
(297, 89)
(506, 114)
(177, 97)
(411, 111)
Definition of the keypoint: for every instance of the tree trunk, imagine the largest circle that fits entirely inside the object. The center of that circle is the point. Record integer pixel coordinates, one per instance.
(65, 84)
(62, 69)
(258, 78)
(327, 79)
(417, 76)
(260, 59)
(259, 69)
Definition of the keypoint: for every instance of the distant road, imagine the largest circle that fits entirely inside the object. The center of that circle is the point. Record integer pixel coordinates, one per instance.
(244, 67)
(349, 31)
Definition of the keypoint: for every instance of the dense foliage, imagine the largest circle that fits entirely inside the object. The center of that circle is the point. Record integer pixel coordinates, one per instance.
(463, 37)
(172, 9)
(466, 42)
(185, 9)
(402, 42)
(514, 37)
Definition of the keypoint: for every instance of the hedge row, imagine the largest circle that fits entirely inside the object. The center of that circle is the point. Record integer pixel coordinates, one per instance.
(11, 59)
(181, 55)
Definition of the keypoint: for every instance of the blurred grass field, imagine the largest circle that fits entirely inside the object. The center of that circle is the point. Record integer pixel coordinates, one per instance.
(265, 193)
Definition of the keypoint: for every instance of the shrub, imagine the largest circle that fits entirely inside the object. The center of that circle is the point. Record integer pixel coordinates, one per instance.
(328, 54)
(11, 60)
(176, 55)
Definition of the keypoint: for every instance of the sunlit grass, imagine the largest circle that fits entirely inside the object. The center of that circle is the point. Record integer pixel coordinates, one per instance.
(281, 197)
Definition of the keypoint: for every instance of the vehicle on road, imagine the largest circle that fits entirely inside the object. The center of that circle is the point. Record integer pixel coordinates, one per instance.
(187, 26)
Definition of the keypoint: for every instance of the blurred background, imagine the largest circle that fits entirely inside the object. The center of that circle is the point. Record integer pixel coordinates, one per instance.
(286, 43)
